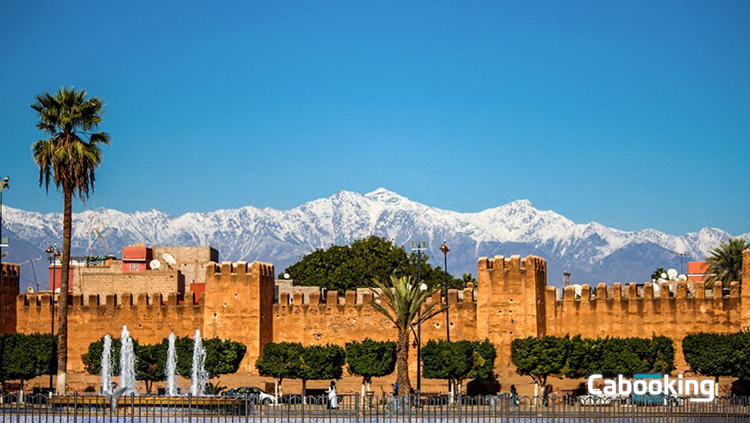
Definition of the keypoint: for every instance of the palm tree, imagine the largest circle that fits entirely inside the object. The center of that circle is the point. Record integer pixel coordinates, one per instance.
(725, 262)
(400, 302)
(68, 159)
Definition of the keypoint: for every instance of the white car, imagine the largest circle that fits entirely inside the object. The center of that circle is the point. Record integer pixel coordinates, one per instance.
(256, 395)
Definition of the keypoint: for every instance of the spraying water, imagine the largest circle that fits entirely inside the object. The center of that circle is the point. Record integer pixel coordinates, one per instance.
(171, 367)
(199, 375)
(107, 365)
(127, 361)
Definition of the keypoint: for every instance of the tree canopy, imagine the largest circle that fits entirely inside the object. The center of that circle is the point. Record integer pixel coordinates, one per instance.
(26, 356)
(725, 262)
(358, 264)
(321, 362)
(222, 357)
(580, 357)
(282, 360)
(370, 358)
(458, 360)
(718, 354)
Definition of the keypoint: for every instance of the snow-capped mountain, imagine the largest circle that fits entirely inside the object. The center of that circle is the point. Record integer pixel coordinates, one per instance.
(592, 252)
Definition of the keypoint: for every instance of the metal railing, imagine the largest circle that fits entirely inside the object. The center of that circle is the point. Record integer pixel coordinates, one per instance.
(83, 408)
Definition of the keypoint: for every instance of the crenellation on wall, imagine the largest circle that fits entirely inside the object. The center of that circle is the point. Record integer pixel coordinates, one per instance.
(648, 291)
(511, 300)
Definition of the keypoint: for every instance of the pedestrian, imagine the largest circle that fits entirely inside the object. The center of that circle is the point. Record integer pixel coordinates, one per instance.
(513, 395)
(395, 389)
(333, 401)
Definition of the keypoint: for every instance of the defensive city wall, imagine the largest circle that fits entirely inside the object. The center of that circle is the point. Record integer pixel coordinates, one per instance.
(511, 300)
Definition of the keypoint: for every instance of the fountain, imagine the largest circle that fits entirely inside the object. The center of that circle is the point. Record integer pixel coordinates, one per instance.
(127, 361)
(199, 377)
(171, 368)
(107, 365)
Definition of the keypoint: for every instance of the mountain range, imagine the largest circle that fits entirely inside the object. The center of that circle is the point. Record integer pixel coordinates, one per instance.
(592, 252)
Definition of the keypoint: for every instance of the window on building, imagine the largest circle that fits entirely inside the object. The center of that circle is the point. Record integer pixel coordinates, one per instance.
(133, 267)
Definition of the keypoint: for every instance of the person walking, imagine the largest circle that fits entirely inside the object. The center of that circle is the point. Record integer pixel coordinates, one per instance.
(513, 395)
(333, 401)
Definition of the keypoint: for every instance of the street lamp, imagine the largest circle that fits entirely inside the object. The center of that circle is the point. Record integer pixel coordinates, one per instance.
(419, 246)
(3, 243)
(444, 248)
(52, 255)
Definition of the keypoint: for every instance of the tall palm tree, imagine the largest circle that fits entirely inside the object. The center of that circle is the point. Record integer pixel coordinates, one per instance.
(68, 159)
(725, 261)
(400, 302)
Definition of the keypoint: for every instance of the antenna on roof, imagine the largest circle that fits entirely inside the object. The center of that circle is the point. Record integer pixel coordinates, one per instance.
(94, 233)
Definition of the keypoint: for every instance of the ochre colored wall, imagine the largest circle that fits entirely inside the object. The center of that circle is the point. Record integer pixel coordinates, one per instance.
(238, 306)
(9, 285)
(511, 301)
(338, 319)
(621, 311)
(90, 318)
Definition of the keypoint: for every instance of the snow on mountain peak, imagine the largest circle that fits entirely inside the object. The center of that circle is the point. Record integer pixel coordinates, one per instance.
(594, 252)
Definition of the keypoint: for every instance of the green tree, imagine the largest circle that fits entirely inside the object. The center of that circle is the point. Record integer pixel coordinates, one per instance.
(458, 361)
(358, 264)
(656, 274)
(400, 301)
(92, 359)
(370, 359)
(725, 262)
(68, 158)
(710, 354)
(26, 356)
(614, 356)
(150, 364)
(321, 362)
(281, 361)
(469, 278)
(222, 357)
(539, 357)
(741, 353)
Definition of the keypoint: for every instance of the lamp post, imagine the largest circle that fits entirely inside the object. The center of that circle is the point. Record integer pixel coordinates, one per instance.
(3, 243)
(52, 255)
(419, 246)
(444, 248)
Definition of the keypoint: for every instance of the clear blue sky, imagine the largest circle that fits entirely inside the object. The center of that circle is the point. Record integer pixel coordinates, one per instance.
(633, 114)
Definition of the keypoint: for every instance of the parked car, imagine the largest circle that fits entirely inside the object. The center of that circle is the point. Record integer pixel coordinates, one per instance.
(256, 395)
(656, 400)
(598, 399)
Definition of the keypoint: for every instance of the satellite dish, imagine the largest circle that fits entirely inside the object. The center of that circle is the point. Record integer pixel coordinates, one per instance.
(286, 275)
(30, 290)
(656, 288)
(155, 264)
(169, 258)
(672, 273)
(663, 276)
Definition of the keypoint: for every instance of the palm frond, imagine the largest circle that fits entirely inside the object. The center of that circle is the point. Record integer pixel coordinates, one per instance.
(66, 158)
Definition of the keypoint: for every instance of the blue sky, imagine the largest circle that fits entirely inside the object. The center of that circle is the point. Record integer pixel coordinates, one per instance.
(633, 114)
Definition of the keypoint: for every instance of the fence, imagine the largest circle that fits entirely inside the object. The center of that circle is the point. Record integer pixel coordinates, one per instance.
(79, 408)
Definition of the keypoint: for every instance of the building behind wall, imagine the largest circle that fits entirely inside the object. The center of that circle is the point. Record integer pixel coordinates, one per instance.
(141, 270)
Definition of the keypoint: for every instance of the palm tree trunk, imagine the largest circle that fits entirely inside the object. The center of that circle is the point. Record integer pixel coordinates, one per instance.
(402, 362)
(62, 327)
